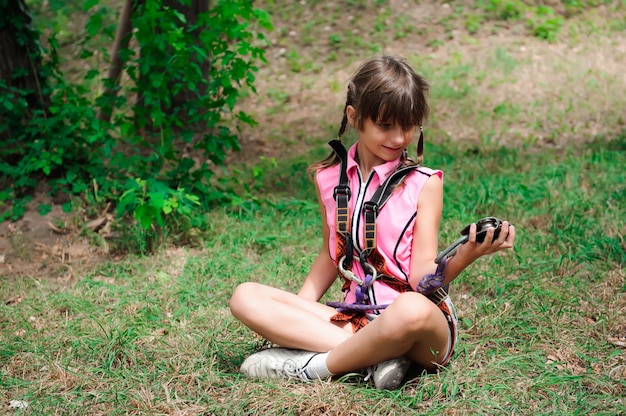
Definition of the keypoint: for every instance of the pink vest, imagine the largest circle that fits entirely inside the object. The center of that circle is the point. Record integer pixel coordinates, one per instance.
(394, 224)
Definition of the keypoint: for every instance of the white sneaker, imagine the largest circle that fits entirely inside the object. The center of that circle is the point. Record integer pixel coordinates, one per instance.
(389, 374)
(278, 362)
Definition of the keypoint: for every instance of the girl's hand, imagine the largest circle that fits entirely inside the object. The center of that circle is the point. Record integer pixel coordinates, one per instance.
(474, 249)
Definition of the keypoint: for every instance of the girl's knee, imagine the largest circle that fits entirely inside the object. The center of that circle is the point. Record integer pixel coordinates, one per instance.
(413, 302)
(242, 298)
(410, 313)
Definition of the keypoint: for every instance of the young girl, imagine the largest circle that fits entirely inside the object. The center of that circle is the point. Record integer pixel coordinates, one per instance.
(381, 237)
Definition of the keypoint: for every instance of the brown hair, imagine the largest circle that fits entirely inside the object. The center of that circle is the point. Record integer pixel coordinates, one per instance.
(384, 88)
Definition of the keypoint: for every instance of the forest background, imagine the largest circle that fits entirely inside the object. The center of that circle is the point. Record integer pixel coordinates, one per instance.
(115, 282)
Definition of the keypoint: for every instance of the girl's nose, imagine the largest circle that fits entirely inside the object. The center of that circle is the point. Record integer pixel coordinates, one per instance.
(398, 136)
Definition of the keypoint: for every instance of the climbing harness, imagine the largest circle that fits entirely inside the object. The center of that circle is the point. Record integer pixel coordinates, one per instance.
(370, 259)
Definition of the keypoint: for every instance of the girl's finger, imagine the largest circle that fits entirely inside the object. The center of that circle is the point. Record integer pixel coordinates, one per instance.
(472, 233)
(504, 232)
(488, 241)
(510, 238)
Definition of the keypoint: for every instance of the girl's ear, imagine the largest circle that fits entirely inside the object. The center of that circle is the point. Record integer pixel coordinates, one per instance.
(351, 114)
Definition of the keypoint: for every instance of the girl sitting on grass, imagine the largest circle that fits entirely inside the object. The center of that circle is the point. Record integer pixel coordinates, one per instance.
(396, 310)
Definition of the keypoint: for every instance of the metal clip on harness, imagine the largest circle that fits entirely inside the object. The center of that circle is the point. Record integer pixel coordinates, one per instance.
(351, 276)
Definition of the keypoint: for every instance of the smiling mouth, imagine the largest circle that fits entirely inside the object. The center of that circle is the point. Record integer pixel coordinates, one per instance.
(393, 149)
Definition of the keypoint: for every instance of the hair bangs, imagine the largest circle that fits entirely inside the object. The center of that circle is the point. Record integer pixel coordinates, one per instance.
(395, 105)
(398, 109)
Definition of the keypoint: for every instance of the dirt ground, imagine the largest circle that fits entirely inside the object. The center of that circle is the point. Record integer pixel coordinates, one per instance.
(48, 246)
(52, 246)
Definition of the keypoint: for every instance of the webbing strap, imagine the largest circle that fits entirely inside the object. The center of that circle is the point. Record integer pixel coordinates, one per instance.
(371, 208)
(342, 194)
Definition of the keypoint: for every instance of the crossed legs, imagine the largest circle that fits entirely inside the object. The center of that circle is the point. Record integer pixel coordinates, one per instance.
(412, 326)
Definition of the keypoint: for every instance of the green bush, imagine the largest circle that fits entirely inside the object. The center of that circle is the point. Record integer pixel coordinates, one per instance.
(172, 123)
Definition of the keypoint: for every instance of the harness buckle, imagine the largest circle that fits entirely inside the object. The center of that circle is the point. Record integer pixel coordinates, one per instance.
(342, 190)
(371, 206)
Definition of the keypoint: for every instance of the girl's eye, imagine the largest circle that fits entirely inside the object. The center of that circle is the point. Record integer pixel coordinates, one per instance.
(384, 125)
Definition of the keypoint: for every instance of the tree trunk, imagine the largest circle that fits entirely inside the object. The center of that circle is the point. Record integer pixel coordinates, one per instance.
(122, 38)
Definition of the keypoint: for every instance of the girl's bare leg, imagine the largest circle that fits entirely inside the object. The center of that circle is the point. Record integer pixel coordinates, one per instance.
(287, 319)
(411, 326)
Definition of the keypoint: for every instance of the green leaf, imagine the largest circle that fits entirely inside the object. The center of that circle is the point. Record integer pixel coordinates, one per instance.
(44, 209)
(180, 16)
(89, 4)
(144, 215)
(94, 24)
(156, 200)
(264, 19)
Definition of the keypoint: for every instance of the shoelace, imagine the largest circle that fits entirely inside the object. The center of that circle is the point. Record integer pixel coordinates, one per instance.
(291, 370)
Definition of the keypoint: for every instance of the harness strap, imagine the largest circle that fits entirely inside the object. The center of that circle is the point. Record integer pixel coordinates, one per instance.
(371, 208)
(342, 194)
(370, 254)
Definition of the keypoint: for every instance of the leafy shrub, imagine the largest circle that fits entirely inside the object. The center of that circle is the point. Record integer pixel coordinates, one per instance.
(172, 124)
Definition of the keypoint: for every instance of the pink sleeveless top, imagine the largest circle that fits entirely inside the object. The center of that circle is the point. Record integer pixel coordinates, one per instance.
(394, 224)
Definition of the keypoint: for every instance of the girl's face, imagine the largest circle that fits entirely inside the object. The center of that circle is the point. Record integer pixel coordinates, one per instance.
(382, 142)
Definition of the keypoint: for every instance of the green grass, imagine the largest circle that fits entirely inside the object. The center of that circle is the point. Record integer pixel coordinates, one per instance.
(154, 335)
(540, 326)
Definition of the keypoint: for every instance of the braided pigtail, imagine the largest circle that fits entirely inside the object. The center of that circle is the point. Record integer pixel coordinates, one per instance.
(349, 101)
(344, 122)
(420, 147)
(333, 159)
